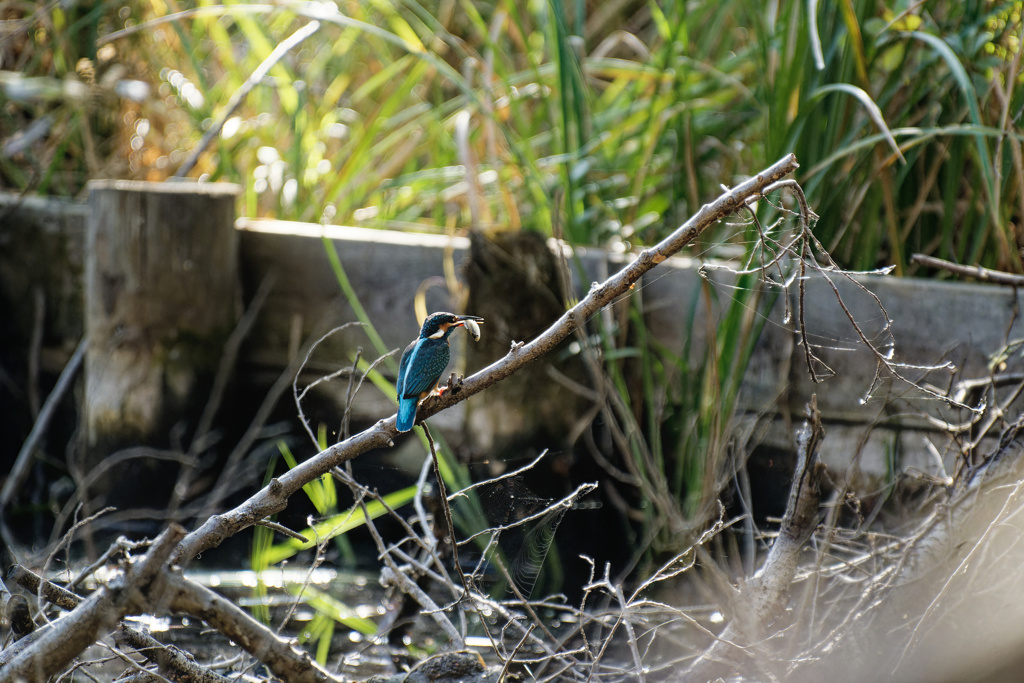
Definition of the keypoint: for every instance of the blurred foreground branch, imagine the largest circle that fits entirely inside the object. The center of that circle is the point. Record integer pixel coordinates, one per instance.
(44, 652)
(763, 598)
(62, 640)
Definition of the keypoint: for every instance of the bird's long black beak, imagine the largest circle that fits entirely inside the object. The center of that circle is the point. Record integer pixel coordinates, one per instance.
(475, 318)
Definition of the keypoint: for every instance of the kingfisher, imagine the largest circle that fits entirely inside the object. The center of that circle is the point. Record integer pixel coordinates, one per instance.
(425, 359)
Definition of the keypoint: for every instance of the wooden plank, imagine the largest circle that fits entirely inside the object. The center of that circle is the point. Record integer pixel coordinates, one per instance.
(932, 322)
(42, 242)
(386, 270)
(161, 298)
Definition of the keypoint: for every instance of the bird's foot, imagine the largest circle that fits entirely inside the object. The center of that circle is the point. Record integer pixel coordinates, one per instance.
(454, 384)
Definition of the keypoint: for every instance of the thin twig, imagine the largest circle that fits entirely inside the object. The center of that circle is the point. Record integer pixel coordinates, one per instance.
(515, 650)
(228, 359)
(443, 498)
(282, 529)
(977, 272)
(393, 574)
(297, 396)
(16, 476)
(35, 348)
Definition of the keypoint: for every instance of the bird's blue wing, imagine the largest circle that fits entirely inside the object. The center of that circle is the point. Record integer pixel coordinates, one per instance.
(406, 401)
(412, 381)
(403, 369)
(422, 363)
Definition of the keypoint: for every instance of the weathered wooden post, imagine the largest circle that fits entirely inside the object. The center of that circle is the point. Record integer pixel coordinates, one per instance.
(161, 297)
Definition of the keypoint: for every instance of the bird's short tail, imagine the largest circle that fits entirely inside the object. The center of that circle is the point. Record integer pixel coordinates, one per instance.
(406, 414)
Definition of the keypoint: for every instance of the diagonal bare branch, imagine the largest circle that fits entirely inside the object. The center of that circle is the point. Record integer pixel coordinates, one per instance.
(274, 497)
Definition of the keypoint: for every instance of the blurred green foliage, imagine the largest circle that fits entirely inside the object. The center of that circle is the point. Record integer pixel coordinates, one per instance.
(624, 117)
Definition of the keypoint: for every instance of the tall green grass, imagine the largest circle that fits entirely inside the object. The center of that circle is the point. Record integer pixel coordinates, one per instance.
(678, 409)
(637, 113)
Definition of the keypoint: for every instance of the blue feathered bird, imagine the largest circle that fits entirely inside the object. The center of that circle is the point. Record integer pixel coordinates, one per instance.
(423, 362)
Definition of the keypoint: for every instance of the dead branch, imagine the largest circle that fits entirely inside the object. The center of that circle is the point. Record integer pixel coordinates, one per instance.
(274, 497)
(59, 596)
(279, 654)
(771, 584)
(983, 274)
(170, 591)
(62, 640)
(764, 596)
(171, 662)
(392, 574)
(238, 97)
(228, 361)
(24, 460)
